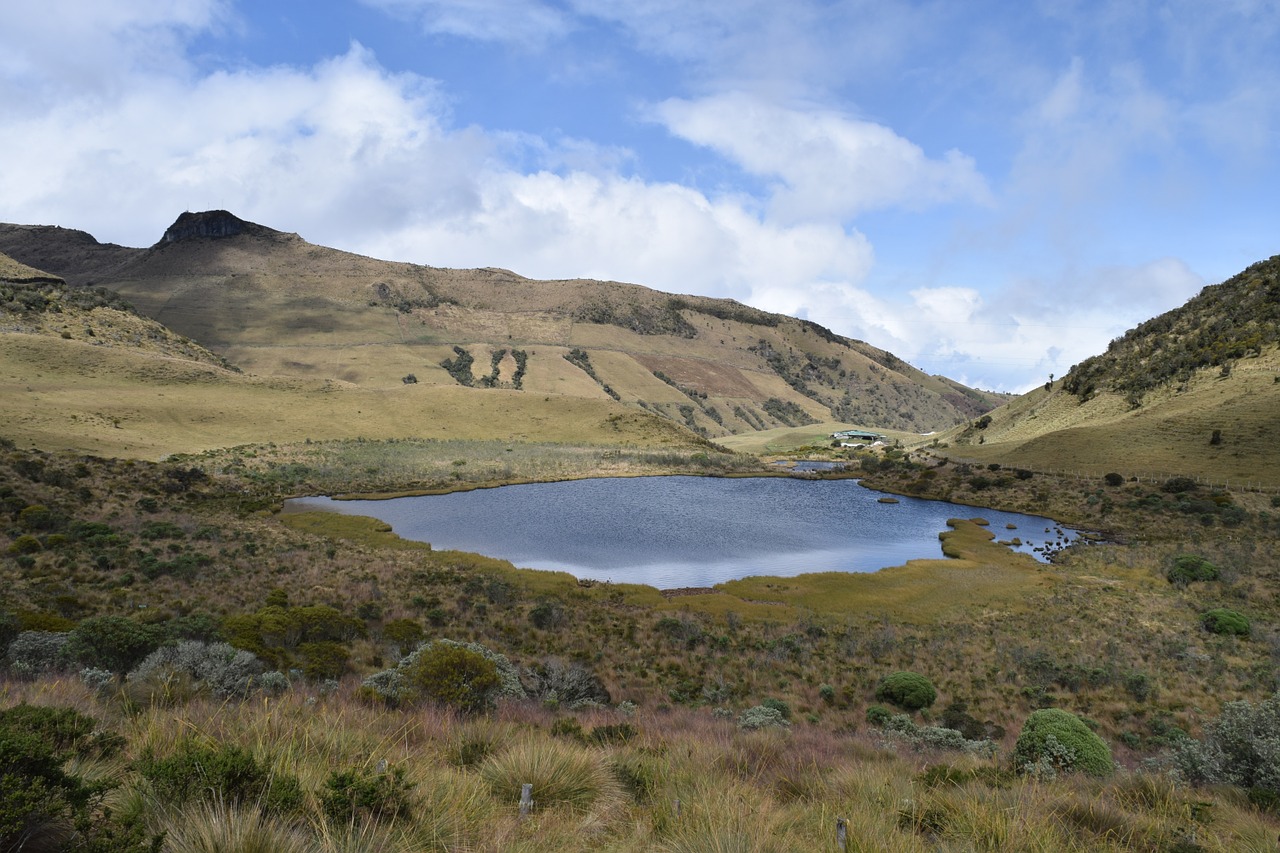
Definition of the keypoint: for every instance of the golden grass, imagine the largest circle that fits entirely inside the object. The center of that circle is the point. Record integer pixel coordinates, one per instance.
(119, 402)
(1169, 435)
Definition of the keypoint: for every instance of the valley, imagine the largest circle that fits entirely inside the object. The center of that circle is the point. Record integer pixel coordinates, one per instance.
(161, 404)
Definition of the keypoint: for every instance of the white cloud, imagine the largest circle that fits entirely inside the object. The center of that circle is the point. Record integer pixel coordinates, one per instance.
(665, 236)
(75, 48)
(827, 165)
(517, 22)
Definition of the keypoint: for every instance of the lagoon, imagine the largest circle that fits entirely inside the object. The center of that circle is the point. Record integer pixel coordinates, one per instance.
(683, 531)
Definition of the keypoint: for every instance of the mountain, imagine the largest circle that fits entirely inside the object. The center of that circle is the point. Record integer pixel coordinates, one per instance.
(1194, 391)
(276, 305)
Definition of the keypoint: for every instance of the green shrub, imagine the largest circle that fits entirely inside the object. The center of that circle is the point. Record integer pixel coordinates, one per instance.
(878, 715)
(1188, 568)
(25, 544)
(351, 796)
(613, 733)
(117, 643)
(43, 806)
(1220, 620)
(404, 634)
(778, 705)
(223, 772)
(907, 690)
(453, 675)
(1053, 740)
(1113, 479)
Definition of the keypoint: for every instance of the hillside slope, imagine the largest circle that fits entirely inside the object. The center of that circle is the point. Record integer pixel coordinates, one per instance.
(276, 305)
(80, 371)
(1195, 392)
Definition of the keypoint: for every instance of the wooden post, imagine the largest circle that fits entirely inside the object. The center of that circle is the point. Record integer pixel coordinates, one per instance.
(842, 833)
(526, 799)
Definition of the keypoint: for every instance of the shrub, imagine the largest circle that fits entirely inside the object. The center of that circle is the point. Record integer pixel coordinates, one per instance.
(1188, 568)
(1053, 740)
(454, 676)
(878, 715)
(1113, 479)
(1178, 485)
(566, 684)
(25, 544)
(908, 690)
(223, 772)
(781, 707)
(116, 643)
(404, 634)
(222, 669)
(1241, 747)
(35, 653)
(762, 717)
(43, 806)
(351, 796)
(394, 685)
(1220, 620)
(547, 615)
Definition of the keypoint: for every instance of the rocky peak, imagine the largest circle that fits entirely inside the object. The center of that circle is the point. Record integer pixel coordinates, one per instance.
(208, 223)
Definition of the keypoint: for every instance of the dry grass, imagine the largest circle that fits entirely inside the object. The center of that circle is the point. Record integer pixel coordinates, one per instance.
(1169, 435)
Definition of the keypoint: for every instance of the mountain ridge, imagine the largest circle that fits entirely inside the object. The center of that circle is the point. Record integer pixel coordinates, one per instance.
(275, 304)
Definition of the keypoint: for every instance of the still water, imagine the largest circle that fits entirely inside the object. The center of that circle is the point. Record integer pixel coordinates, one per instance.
(686, 531)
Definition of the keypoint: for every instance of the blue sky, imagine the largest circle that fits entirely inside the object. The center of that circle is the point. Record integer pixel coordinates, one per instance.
(990, 190)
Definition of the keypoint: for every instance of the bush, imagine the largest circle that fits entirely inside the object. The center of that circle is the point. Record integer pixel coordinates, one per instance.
(352, 796)
(878, 715)
(42, 805)
(566, 684)
(762, 717)
(116, 643)
(224, 772)
(1053, 740)
(394, 685)
(220, 668)
(1229, 622)
(35, 653)
(1188, 568)
(1241, 747)
(454, 676)
(1113, 479)
(1178, 485)
(907, 690)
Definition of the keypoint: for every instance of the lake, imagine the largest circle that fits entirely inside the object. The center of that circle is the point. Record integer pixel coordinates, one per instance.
(683, 531)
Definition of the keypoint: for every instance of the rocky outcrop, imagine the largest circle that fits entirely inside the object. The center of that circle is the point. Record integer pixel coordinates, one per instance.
(208, 223)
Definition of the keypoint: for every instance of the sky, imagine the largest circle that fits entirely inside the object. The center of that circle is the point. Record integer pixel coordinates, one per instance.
(989, 190)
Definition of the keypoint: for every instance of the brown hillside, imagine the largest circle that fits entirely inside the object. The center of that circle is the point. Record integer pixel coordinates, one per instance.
(1193, 392)
(276, 305)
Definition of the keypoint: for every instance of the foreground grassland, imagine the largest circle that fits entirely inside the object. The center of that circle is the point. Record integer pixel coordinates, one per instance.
(191, 550)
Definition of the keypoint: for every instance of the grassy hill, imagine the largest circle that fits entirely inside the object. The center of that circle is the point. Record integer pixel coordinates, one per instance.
(276, 305)
(1193, 392)
(80, 370)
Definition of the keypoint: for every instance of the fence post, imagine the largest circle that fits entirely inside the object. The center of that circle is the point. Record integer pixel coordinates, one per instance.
(842, 833)
(526, 799)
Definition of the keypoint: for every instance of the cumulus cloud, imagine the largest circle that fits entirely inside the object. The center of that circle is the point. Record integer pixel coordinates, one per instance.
(826, 165)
